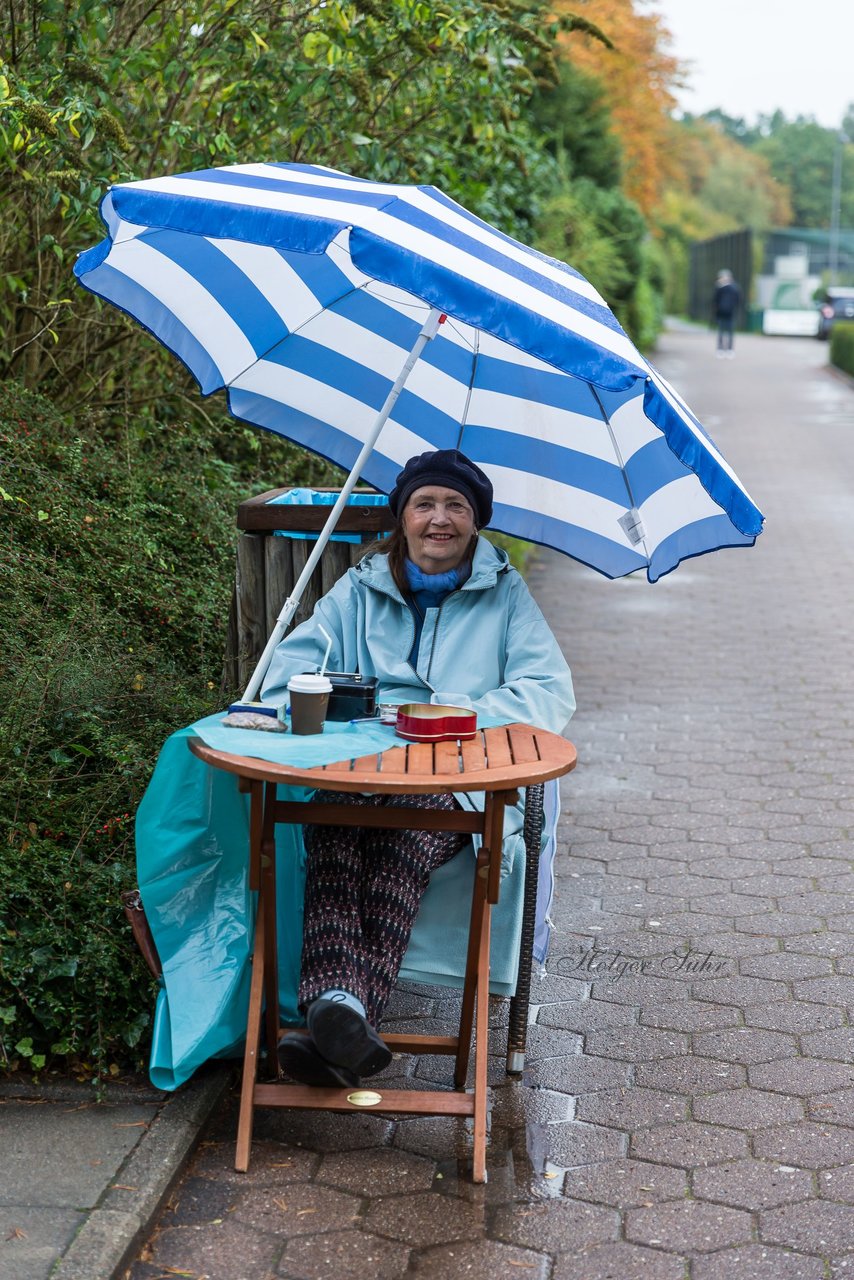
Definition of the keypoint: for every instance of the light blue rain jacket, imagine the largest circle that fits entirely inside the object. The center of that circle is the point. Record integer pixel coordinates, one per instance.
(487, 646)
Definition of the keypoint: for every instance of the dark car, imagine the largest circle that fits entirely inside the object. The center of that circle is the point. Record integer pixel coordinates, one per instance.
(837, 304)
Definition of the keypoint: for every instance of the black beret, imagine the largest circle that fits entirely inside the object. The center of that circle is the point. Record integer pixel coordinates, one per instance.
(452, 470)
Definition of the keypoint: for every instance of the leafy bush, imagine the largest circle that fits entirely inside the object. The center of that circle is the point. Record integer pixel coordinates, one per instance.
(603, 234)
(115, 579)
(842, 347)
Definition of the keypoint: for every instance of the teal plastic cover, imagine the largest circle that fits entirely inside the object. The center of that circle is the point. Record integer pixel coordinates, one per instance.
(192, 839)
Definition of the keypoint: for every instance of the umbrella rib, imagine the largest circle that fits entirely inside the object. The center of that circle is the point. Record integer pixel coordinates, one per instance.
(354, 288)
(463, 420)
(621, 463)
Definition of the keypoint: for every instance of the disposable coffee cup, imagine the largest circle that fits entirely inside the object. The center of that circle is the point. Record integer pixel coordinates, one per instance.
(309, 696)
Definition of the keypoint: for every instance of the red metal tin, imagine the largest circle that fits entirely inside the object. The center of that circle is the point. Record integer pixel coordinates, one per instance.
(425, 722)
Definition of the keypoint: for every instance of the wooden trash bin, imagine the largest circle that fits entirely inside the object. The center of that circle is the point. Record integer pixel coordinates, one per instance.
(268, 567)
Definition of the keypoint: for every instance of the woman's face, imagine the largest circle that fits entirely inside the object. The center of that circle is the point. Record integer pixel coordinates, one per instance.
(438, 525)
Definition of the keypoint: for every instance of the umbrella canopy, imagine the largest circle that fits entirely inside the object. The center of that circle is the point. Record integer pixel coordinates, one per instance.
(300, 291)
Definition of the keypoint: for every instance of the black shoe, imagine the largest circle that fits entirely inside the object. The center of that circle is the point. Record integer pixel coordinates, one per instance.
(344, 1037)
(300, 1060)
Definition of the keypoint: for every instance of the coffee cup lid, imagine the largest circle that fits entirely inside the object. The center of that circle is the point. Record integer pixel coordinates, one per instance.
(310, 684)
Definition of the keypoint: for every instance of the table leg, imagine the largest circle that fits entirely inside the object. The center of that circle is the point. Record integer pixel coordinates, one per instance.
(481, 1052)
(253, 1044)
(479, 908)
(271, 951)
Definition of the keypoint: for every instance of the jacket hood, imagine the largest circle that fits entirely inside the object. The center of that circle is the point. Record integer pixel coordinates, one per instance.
(489, 561)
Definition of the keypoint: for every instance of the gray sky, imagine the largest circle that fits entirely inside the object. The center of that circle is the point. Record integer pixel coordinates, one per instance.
(752, 56)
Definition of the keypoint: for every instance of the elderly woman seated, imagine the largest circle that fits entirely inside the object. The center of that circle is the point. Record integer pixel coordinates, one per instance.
(437, 615)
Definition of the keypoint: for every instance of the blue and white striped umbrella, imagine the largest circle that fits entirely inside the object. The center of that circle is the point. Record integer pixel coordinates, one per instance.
(300, 290)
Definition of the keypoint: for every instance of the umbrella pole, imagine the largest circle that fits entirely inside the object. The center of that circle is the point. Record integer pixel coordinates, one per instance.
(431, 324)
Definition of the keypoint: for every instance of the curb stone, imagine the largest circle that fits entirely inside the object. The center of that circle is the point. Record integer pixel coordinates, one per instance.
(114, 1231)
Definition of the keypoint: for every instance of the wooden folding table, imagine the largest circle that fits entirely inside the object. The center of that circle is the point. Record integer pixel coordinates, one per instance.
(497, 761)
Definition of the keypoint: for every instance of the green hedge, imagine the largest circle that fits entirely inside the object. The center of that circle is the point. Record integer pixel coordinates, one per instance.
(115, 576)
(842, 347)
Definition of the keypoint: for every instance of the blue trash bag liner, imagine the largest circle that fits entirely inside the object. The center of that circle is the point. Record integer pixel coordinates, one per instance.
(312, 497)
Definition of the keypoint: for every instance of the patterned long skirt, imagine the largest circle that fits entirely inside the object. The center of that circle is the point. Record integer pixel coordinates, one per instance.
(363, 889)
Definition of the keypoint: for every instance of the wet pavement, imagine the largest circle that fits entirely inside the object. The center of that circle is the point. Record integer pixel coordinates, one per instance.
(686, 1111)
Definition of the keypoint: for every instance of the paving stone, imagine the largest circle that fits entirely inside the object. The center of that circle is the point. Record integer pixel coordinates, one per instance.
(641, 991)
(688, 1226)
(199, 1200)
(635, 1044)
(517, 1103)
(779, 924)
(830, 943)
(272, 1164)
(690, 1075)
(738, 990)
(688, 1144)
(555, 988)
(545, 1041)
(744, 1044)
(579, 1075)
(626, 1183)
(688, 1015)
(837, 1184)
(753, 1184)
(747, 1109)
(297, 1210)
(815, 1226)
(808, 1143)
(832, 1107)
(343, 1255)
(786, 965)
(592, 1015)
(480, 1260)
(619, 1262)
(757, 1262)
(730, 868)
(837, 1044)
(573, 1143)
(436, 1137)
(797, 1017)
(220, 1252)
(422, 1219)
(835, 990)
(631, 1108)
(376, 1173)
(321, 1130)
(802, 1076)
(735, 945)
(772, 886)
(554, 1227)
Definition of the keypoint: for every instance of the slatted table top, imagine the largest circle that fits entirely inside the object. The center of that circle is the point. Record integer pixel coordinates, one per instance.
(497, 759)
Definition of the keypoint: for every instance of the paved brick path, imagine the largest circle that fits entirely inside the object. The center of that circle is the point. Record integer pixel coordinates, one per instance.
(687, 1110)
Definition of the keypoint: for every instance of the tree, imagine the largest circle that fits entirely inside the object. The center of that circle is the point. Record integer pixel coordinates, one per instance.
(576, 122)
(637, 76)
(800, 154)
(93, 93)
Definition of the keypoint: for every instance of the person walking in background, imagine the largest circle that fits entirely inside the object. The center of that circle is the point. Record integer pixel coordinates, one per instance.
(725, 304)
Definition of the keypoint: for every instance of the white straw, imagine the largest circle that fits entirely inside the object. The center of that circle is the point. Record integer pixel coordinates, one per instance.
(324, 632)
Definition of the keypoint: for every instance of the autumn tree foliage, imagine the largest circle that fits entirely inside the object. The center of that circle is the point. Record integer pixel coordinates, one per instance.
(638, 76)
